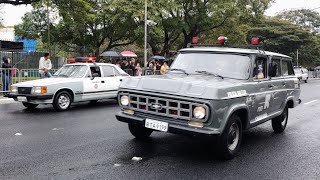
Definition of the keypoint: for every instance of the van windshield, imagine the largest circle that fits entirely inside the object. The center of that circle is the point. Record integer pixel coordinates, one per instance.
(227, 65)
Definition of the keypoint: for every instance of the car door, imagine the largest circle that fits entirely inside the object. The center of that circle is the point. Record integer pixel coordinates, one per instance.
(93, 84)
(278, 92)
(112, 80)
(260, 98)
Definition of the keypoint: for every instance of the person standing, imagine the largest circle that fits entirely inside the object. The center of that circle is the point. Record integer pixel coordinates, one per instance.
(138, 70)
(6, 75)
(44, 66)
(164, 68)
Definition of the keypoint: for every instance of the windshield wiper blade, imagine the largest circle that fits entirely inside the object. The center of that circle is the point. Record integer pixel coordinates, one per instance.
(181, 70)
(210, 73)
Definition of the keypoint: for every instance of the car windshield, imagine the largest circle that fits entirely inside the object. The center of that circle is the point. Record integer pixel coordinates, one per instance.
(74, 71)
(226, 65)
(297, 71)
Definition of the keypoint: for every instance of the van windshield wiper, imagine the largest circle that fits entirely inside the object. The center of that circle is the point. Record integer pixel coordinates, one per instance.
(181, 70)
(209, 73)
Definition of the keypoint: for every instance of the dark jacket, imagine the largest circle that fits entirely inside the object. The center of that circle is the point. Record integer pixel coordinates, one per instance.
(6, 68)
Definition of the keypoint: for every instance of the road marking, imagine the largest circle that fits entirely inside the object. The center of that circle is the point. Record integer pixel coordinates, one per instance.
(18, 134)
(310, 102)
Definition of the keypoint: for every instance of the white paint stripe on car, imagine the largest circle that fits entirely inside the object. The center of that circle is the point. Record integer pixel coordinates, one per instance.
(310, 102)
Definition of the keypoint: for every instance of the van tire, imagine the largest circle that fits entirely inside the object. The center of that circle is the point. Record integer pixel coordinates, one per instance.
(279, 123)
(139, 132)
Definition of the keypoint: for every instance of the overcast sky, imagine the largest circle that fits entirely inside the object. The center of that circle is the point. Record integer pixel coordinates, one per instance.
(12, 14)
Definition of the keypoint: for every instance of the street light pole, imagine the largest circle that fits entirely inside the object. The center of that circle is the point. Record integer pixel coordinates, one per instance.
(297, 57)
(145, 32)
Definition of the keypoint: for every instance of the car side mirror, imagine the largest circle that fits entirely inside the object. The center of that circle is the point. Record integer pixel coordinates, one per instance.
(91, 77)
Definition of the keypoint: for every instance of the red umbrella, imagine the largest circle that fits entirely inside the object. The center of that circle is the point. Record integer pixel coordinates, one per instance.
(128, 54)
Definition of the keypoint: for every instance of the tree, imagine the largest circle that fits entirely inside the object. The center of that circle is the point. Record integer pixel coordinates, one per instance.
(303, 17)
(17, 2)
(284, 37)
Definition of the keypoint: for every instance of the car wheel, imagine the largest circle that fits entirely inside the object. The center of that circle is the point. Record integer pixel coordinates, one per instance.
(139, 132)
(279, 123)
(62, 101)
(306, 81)
(230, 140)
(29, 105)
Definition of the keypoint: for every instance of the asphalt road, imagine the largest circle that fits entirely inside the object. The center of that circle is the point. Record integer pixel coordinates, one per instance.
(87, 142)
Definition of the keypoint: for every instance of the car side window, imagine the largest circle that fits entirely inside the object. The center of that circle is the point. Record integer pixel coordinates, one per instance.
(276, 66)
(95, 71)
(116, 72)
(260, 68)
(286, 67)
(108, 71)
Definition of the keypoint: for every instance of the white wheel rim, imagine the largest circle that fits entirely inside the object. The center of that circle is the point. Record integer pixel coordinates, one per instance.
(64, 101)
(233, 137)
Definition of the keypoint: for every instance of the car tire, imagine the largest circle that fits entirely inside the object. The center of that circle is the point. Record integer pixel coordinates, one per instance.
(230, 140)
(62, 101)
(279, 123)
(306, 81)
(29, 105)
(139, 132)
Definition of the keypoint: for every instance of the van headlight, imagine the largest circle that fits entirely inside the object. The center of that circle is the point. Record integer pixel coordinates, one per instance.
(39, 90)
(124, 100)
(14, 90)
(199, 112)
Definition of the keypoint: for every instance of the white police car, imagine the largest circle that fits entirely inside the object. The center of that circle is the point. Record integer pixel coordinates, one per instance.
(72, 83)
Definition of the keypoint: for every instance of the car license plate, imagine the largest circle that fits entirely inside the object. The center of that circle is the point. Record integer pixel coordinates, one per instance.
(22, 98)
(157, 125)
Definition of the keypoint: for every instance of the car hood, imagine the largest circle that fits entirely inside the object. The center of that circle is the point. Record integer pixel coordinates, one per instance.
(46, 82)
(200, 86)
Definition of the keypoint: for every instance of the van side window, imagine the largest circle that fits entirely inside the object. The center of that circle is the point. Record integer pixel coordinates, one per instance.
(260, 68)
(275, 64)
(287, 68)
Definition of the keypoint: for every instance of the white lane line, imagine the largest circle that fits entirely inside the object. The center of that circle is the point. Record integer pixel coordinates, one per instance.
(310, 102)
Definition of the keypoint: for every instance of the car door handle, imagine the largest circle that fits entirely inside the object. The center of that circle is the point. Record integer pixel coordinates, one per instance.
(120, 79)
(102, 81)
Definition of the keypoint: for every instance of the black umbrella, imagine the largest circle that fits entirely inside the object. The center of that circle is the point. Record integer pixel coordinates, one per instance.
(159, 58)
(110, 54)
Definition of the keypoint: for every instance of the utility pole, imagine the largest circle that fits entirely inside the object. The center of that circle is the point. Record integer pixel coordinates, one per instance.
(297, 57)
(48, 18)
(145, 32)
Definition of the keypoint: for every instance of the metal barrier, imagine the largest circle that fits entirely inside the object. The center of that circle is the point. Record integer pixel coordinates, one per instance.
(314, 74)
(11, 76)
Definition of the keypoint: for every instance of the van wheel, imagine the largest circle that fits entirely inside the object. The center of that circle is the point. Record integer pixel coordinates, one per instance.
(139, 132)
(279, 123)
(230, 140)
(29, 105)
(62, 101)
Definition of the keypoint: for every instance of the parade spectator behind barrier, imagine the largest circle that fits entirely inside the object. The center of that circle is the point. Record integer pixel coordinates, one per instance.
(126, 67)
(164, 68)
(118, 63)
(6, 75)
(152, 67)
(44, 66)
(138, 70)
(132, 66)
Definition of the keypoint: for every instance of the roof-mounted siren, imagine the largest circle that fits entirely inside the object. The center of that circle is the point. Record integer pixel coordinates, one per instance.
(254, 41)
(222, 40)
(194, 40)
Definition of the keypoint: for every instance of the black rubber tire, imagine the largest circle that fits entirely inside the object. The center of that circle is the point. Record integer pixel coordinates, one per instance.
(277, 122)
(225, 152)
(93, 102)
(139, 132)
(56, 99)
(306, 81)
(29, 105)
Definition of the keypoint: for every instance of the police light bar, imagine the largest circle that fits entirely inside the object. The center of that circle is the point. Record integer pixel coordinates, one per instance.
(85, 59)
(222, 40)
(255, 41)
(194, 40)
(71, 60)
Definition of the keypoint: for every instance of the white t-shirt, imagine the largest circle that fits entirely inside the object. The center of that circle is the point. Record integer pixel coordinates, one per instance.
(44, 64)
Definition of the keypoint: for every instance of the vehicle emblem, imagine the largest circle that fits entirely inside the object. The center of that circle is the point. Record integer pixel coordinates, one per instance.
(156, 106)
(96, 86)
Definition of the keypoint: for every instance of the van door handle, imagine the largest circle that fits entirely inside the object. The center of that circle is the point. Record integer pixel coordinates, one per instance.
(102, 81)
(271, 86)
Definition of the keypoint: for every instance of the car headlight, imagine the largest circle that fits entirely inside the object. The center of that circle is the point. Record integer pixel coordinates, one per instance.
(199, 112)
(39, 90)
(14, 90)
(124, 100)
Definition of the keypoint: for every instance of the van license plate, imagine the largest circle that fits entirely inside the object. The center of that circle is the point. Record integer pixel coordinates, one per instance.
(156, 125)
